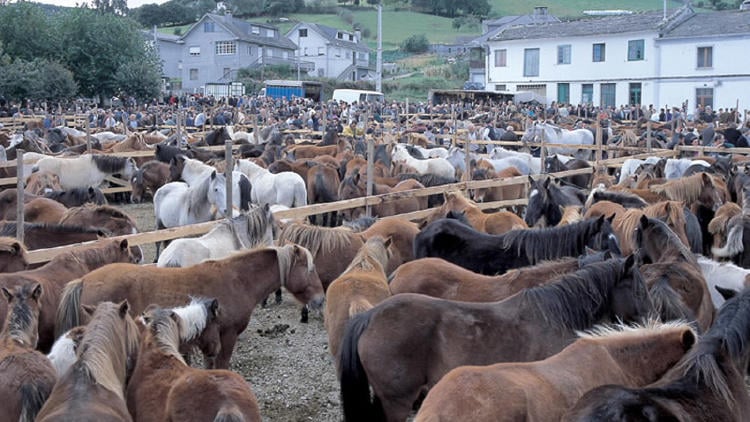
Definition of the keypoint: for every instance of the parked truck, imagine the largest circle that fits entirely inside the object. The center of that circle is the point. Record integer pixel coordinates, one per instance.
(289, 89)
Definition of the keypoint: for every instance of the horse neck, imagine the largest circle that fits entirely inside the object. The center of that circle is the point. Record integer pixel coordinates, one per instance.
(105, 357)
(664, 349)
(21, 326)
(194, 171)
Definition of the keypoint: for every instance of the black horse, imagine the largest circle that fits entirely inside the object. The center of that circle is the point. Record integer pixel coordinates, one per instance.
(546, 200)
(553, 164)
(482, 253)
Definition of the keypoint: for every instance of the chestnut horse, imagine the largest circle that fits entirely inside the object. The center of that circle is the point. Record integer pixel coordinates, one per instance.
(164, 387)
(61, 269)
(104, 216)
(498, 193)
(43, 210)
(355, 187)
(93, 389)
(362, 285)
(148, 179)
(238, 283)
(42, 236)
(404, 345)
(632, 356)
(401, 232)
(12, 255)
(27, 375)
(708, 384)
(491, 223)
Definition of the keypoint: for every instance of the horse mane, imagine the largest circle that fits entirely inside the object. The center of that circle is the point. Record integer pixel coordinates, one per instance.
(550, 241)
(109, 163)
(685, 189)
(668, 304)
(252, 225)
(718, 224)
(92, 256)
(605, 332)
(285, 258)
(371, 253)
(671, 239)
(19, 322)
(110, 211)
(316, 239)
(8, 228)
(561, 303)
(729, 333)
(166, 332)
(570, 214)
(12, 245)
(619, 197)
(199, 191)
(100, 358)
(193, 317)
(674, 212)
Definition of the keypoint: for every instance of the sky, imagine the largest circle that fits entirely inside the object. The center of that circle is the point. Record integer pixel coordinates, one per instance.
(72, 3)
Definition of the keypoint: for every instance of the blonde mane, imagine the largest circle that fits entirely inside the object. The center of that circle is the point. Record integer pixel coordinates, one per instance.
(166, 332)
(317, 239)
(285, 256)
(718, 225)
(686, 189)
(372, 256)
(618, 331)
(675, 216)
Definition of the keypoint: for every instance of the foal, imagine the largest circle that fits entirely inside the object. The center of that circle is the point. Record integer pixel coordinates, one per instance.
(27, 377)
(165, 388)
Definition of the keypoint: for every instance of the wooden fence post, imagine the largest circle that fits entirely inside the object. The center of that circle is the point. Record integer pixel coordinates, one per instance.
(228, 159)
(648, 135)
(19, 195)
(598, 139)
(370, 173)
(543, 153)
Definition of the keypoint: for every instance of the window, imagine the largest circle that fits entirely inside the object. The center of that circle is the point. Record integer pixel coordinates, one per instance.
(270, 33)
(587, 93)
(635, 50)
(598, 53)
(339, 35)
(704, 97)
(531, 62)
(193, 74)
(634, 93)
(226, 48)
(563, 93)
(608, 95)
(705, 57)
(255, 29)
(194, 51)
(304, 51)
(501, 58)
(321, 51)
(303, 33)
(208, 26)
(249, 50)
(502, 87)
(563, 54)
(338, 52)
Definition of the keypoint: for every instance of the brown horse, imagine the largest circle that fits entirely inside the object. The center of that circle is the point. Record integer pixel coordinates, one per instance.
(498, 193)
(42, 236)
(43, 211)
(698, 189)
(322, 187)
(332, 249)
(625, 223)
(39, 182)
(312, 151)
(719, 225)
(404, 345)
(164, 387)
(494, 223)
(442, 279)
(355, 187)
(93, 389)
(238, 283)
(148, 179)
(106, 217)
(61, 269)
(362, 285)
(632, 356)
(12, 255)
(570, 214)
(28, 376)
(401, 232)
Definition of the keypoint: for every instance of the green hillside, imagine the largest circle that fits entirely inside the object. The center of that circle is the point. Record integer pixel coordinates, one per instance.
(572, 8)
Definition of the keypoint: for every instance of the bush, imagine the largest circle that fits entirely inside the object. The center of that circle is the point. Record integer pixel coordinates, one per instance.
(416, 44)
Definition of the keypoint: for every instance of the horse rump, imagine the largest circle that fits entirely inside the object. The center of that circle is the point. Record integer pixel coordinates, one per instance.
(355, 387)
(229, 413)
(33, 397)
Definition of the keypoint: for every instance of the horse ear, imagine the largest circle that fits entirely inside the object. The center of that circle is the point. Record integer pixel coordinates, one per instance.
(123, 308)
(688, 339)
(88, 310)
(725, 293)
(91, 190)
(17, 248)
(36, 291)
(643, 221)
(387, 242)
(611, 218)
(546, 182)
(629, 263)
(213, 308)
(8, 295)
(706, 178)
(355, 177)
(213, 175)
(124, 244)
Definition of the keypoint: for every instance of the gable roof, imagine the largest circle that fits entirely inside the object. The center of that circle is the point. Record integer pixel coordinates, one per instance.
(495, 26)
(731, 22)
(241, 30)
(329, 33)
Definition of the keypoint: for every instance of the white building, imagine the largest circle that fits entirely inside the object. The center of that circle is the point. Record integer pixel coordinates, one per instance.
(638, 58)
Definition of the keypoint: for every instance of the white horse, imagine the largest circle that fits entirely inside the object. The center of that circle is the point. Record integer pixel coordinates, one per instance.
(437, 166)
(250, 229)
(630, 165)
(722, 274)
(438, 152)
(533, 163)
(285, 188)
(457, 158)
(556, 135)
(501, 164)
(63, 352)
(87, 170)
(675, 168)
(195, 171)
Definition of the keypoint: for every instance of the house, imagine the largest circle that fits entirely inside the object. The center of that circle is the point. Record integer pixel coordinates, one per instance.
(213, 49)
(638, 58)
(335, 53)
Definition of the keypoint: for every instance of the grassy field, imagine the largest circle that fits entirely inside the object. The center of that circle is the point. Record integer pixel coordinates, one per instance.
(572, 8)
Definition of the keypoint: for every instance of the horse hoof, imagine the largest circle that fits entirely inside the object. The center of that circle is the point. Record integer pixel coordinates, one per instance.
(264, 304)
(304, 315)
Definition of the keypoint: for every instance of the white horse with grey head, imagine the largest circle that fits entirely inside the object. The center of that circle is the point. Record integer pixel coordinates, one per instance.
(284, 188)
(555, 135)
(87, 170)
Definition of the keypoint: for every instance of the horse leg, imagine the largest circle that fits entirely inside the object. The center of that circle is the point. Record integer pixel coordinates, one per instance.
(304, 314)
(278, 296)
(228, 340)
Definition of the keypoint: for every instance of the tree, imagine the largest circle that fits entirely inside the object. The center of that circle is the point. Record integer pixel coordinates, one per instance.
(117, 7)
(40, 79)
(26, 32)
(141, 80)
(416, 44)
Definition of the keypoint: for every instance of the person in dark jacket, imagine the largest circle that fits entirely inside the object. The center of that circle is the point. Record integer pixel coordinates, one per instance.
(734, 136)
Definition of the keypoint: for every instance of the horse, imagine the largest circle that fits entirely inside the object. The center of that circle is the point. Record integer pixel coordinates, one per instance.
(193, 172)
(251, 229)
(494, 254)
(401, 232)
(217, 136)
(354, 187)
(93, 388)
(87, 170)
(332, 248)
(148, 179)
(42, 210)
(438, 166)
(626, 222)
(553, 164)
(698, 189)
(285, 188)
(441, 279)
(405, 344)
(109, 218)
(545, 200)
(555, 135)
(633, 356)
(623, 198)
(164, 387)
(322, 187)
(43, 236)
(40, 182)
(77, 197)
(12, 255)
(360, 287)
(238, 282)
(533, 163)
(428, 180)
(723, 276)
(63, 268)
(499, 193)
(64, 350)
(28, 376)
(707, 384)
(491, 223)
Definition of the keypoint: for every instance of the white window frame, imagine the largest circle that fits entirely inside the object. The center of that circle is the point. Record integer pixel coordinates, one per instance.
(194, 51)
(225, 48)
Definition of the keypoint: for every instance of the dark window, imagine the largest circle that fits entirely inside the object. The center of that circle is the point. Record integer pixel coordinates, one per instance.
(501, 57)
(705, 57)
(208, 26)
(599, 52)
(635, 50)
(563, 93)
(563, 54)
(303, 32)
(587, 93)
(634, 93)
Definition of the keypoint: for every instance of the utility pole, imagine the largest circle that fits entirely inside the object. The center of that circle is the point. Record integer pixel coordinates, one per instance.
(379, 59)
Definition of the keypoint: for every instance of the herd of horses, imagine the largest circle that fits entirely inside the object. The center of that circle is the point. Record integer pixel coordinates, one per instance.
(604, 298)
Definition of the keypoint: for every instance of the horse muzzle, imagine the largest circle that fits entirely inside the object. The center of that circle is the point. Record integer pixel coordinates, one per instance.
(317, 302)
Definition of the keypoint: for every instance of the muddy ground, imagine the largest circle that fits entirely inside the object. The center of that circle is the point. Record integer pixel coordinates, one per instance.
(286, 362)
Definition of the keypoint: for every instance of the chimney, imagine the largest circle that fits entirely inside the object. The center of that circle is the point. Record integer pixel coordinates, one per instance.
(540, 11)
(357, 36)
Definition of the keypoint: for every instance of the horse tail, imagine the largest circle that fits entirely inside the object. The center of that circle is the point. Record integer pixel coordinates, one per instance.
(359, 306)
(246, 190)
(355, 387)
(68, 311)
(33, 397)
(734, 244)
(229, 413)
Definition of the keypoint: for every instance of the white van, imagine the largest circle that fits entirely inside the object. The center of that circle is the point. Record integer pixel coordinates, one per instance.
(351, 95)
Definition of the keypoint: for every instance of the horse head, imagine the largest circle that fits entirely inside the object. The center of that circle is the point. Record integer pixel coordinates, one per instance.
(630, 299)
(538, 202)
(176, 165)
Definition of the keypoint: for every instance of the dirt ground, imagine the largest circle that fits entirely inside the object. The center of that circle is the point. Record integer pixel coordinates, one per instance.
(286, 362)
